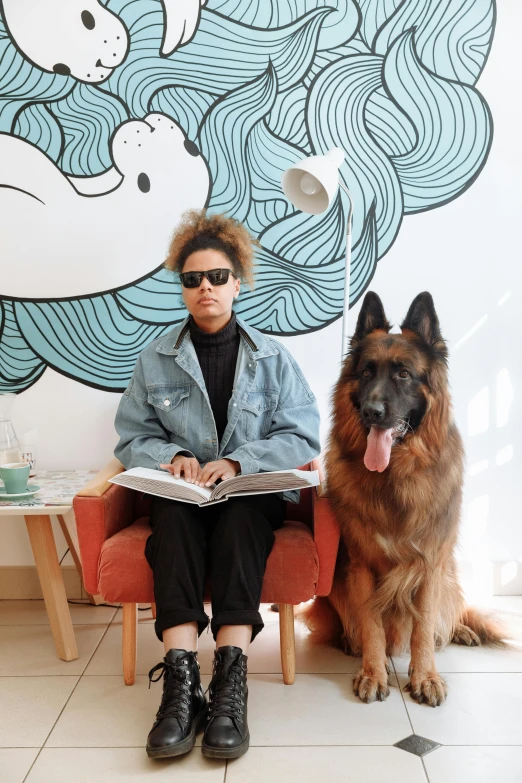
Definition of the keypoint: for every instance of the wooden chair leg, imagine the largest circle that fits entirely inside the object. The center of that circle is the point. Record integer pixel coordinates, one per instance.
(153, 609)
(129, 642)
(287, 640)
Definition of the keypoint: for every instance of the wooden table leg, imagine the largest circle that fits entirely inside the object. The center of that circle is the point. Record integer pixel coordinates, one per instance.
(95, 600)
(51, 582)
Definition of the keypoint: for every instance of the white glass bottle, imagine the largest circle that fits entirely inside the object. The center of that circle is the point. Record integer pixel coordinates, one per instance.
(9, 447)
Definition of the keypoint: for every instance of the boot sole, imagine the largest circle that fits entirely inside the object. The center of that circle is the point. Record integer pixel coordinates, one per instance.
(226, 753)
(182, 747)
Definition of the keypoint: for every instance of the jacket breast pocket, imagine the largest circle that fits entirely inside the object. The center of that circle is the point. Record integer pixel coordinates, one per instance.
(171, 405)
(257, 414)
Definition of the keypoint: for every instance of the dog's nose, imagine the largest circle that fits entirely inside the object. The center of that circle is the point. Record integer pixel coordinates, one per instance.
(373, 412)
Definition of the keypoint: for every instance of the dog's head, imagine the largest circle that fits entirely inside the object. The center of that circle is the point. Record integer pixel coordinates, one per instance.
(391, 377)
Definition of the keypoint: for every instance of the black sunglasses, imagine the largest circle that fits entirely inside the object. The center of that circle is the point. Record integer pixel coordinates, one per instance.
(214, 277)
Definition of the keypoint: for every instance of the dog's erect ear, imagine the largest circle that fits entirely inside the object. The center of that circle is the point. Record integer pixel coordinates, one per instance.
(422, 319)
(371, 317)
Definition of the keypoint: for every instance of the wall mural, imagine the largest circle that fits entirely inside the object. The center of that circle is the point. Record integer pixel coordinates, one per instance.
(117, 116)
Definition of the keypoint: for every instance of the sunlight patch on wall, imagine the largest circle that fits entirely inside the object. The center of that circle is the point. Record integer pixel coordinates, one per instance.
(469, 334)
(505, 397)
(478, 412)
(504, 455)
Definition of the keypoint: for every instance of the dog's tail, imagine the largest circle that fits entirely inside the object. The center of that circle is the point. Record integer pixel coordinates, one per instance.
(489, 630)
(322, 621)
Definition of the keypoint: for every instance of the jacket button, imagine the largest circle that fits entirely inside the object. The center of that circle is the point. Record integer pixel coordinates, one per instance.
(234, 405)
(166, 402)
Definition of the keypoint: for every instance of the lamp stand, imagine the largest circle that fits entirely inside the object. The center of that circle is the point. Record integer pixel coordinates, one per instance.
(346, 302)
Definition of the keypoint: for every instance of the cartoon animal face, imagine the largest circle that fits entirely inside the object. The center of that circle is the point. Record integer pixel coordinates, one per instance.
(150, 152)
(61, 243)
(79, 38)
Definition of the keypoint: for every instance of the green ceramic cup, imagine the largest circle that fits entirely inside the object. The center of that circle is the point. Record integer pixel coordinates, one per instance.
(15, 476)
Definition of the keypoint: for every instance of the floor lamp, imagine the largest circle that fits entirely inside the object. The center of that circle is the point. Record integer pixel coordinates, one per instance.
(311, 186)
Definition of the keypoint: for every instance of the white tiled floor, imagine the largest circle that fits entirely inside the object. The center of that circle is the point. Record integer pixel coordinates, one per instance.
(78, 721)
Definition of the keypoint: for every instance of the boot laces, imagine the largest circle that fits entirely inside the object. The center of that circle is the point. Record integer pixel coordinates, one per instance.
(175, 702)
(226, 689)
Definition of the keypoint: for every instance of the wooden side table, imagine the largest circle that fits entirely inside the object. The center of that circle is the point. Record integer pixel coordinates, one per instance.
(55, 498)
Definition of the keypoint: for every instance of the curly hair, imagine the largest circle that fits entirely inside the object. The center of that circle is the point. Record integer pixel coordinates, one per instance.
(196, 231)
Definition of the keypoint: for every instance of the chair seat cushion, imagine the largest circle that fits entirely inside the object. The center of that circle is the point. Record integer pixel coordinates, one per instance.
(291, 574)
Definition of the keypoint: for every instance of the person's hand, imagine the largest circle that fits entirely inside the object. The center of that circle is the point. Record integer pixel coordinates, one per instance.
(189, 466)
(221, 469)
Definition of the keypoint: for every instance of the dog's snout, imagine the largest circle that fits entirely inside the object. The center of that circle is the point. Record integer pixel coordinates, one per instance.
(373, 412)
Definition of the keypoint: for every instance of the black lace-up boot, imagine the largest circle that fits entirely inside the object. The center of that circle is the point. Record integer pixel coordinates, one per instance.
(226, 733)
(183, 705)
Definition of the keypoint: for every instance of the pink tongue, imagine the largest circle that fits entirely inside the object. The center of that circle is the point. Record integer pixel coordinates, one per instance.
(378, 449)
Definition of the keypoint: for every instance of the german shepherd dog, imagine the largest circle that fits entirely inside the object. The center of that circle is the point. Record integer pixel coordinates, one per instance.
(394, 467)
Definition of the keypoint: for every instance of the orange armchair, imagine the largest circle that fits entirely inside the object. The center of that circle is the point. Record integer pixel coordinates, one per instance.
(113, 526)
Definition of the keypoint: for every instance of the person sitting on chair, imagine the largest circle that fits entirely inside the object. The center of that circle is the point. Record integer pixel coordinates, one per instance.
(209, 400)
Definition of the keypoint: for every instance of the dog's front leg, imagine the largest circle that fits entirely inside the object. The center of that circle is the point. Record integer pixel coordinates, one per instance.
(426, 684)
(371, 682)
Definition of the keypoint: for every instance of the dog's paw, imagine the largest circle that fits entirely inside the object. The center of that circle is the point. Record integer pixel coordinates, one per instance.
(431, 690)
(464, 635)
(371, 687)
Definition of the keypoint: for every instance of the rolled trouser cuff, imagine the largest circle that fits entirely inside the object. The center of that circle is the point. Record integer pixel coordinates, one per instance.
(170, 619)
(238, 617)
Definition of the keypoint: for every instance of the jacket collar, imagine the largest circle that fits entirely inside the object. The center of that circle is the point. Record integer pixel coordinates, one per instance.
(259, 345)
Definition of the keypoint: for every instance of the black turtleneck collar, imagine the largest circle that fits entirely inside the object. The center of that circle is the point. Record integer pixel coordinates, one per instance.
(215, 340)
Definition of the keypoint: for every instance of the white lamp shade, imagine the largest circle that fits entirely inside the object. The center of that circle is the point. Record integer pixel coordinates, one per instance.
(322, 177)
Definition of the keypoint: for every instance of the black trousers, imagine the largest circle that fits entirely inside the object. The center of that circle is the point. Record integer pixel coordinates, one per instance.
(231, 541)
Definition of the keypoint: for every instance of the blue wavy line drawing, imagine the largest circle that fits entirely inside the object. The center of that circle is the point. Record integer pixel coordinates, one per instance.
(452, 39)
(455, 121)
(232, 118)
(20, 367)
(261, 84)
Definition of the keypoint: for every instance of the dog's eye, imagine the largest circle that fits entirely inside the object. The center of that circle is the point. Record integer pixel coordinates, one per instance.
(404, 374)
(366, 373)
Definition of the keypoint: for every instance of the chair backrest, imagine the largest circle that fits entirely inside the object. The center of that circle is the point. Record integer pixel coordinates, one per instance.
(301, 512)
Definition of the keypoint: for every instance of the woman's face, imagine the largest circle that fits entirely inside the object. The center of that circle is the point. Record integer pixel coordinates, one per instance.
(208, 303)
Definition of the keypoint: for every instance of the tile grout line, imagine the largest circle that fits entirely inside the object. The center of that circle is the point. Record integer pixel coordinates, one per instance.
(408, 714)
(286, 745)
(402, 696)
(64, 706)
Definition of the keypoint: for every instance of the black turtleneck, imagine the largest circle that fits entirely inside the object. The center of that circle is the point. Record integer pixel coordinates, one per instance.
(217, 355)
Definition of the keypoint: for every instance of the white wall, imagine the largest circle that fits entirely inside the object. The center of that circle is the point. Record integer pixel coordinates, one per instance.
(467, 254)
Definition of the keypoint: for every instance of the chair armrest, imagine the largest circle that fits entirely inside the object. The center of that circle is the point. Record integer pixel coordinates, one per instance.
(101, 509)
(317, 464)
(326, 535)
(98, 485)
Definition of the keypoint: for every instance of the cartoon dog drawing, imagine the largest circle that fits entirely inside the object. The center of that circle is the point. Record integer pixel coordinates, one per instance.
(82, 38)
(62, 237)
(77, 38)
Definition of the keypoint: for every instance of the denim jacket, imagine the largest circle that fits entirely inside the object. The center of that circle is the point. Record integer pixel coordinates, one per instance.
(273, 420)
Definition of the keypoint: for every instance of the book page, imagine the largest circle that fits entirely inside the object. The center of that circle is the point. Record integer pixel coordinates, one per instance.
(269, 481)
(162, 484)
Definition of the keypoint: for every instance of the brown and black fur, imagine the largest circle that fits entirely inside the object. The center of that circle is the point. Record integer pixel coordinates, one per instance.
(396, 586)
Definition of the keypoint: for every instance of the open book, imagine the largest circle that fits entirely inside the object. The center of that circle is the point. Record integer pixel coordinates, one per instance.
(163, 484)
